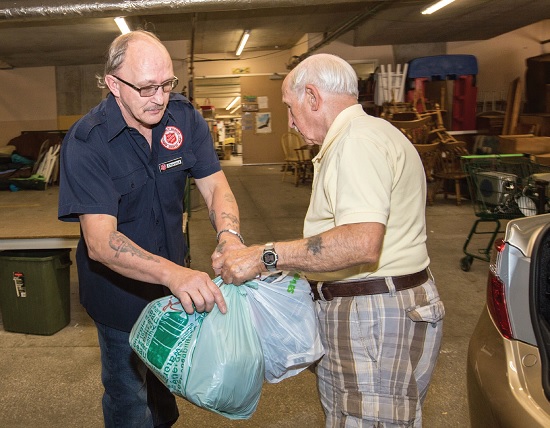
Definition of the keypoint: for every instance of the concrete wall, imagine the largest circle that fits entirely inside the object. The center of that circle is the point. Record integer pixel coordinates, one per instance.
(502, 59)
(28, 101)
(77, 92)
(39, 98)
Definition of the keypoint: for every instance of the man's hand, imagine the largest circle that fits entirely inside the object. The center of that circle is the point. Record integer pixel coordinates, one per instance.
(196, 288)
(228, 243)
(238, 266)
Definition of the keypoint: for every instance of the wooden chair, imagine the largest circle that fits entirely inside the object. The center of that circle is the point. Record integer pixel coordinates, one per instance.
(449, 168)
(429, 155)
(290, 141)
(404, 116)
(306, 153)
(438, 132)
(417, 130)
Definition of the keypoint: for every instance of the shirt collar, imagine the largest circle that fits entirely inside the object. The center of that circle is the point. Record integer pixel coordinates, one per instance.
(340, 123)
(115, 121)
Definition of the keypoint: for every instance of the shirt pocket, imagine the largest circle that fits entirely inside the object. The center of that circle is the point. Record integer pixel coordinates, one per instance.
(130, 188)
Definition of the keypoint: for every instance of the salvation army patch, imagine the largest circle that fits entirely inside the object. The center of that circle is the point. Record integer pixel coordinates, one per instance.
(172, 138)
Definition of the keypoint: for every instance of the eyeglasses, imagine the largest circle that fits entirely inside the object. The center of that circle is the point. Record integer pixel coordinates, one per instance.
(149, 91)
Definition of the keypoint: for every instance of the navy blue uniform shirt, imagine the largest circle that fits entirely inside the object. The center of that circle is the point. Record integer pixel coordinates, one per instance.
(109, 168)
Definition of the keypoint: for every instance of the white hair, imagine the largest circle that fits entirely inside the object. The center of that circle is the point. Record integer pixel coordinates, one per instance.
(328, 72)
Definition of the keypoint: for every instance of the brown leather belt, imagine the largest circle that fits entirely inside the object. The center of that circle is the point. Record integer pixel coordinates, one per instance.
(333, 289)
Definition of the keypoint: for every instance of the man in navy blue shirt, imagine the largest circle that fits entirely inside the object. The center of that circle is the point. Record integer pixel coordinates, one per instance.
(124, 167)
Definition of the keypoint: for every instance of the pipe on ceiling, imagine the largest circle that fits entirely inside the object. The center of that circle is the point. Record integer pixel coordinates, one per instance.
(59, 9)
(347, 26)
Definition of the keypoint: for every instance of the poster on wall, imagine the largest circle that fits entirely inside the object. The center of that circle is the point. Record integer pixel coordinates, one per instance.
(263, 103)
(263, 123)
(247, 122)
(249, 103)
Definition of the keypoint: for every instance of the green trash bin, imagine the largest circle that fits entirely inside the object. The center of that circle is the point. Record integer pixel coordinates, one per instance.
(35, 290)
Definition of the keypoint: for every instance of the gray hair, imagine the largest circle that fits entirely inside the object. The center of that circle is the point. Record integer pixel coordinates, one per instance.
(117, 53)
(328, 72)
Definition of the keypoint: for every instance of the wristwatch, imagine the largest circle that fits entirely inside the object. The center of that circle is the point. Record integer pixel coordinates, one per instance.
(270, 257)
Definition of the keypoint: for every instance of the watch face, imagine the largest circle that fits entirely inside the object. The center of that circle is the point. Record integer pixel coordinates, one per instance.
(270, 258)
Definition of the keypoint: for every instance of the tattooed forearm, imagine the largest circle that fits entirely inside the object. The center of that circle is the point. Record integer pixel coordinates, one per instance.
(121, 244)
(212, 216)
(231, 217)
(229, 197)
(314, 245)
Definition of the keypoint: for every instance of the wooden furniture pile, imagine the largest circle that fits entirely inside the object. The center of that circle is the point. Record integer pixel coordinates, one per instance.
(440, 152)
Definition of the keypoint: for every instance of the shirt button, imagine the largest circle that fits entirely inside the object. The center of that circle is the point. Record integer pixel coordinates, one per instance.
(144, 145)
(157, 222)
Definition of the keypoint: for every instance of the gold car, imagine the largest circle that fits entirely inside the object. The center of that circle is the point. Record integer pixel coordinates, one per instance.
(508, 368)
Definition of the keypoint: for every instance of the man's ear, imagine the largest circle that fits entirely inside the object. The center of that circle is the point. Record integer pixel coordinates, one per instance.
(112, 84)
(313, 98)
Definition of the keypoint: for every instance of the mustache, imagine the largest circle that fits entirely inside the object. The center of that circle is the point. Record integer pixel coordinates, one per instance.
(156, 107)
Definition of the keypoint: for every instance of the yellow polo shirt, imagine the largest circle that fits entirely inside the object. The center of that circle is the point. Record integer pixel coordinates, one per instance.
(368, 171)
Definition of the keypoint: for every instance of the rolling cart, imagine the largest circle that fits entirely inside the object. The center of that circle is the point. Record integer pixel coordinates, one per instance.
(502, 187)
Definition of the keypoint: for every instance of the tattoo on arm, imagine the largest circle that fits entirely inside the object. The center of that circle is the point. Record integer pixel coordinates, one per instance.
(231, 217)
(212, 216)
(229, 197)
(121, 244)
(220, 246)
(314, 245)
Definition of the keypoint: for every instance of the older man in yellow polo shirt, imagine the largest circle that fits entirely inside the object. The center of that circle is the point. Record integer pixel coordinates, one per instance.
(364, 253)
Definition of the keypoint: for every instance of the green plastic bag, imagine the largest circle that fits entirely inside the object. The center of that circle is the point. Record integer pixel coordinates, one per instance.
(163, 337)
(227, 364)
(213, 360)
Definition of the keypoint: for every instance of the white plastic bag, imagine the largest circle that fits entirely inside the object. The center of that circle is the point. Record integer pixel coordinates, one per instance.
(284, 315)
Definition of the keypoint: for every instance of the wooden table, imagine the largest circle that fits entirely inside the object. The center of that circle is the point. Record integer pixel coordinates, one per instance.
(38, 243)
(28, 221)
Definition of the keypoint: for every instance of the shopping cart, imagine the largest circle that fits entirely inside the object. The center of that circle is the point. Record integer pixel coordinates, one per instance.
(502, 187)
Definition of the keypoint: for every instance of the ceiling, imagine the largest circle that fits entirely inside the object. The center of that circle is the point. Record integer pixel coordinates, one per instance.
(36, 33)
(58, 32)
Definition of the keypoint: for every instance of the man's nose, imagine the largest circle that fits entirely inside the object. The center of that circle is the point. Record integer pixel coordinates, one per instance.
(158, 96)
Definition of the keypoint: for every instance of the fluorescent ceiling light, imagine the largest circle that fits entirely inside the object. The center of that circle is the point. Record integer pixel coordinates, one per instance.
(244, 39)
(122, 26)
(235, 109)
(232, 103)
(436, 6)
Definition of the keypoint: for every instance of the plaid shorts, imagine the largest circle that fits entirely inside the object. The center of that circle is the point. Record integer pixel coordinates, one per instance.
(380, 355)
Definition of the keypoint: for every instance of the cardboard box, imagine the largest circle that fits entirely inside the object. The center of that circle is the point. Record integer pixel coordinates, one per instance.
(524, 144)
(543, 159)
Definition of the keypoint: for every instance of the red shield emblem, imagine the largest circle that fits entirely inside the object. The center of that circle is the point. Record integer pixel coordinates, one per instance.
(172, 138)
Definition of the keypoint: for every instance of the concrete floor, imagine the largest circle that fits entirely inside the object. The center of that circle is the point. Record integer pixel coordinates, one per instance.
(54, 381)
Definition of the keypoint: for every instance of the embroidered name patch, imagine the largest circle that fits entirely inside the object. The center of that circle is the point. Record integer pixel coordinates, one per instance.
(166, 166)
(172, 138)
